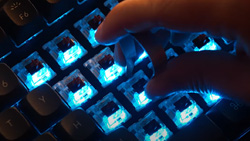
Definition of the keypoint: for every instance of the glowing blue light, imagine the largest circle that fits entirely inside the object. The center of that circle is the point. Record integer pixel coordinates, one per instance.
(141, 57)
(91, 38)
(183, 117)
(28, 39)
(71, 55)
(142, 99)
(39, 77)
(5, 55)
(86, 29)
(209, 46)
(76, 99)
(210, 99)
(110, 3)
(115, 119)
(162, 134)
(139, 100)
(159, 135)
(112, 72)
(66, 13)
(65, 58)
(82, 95)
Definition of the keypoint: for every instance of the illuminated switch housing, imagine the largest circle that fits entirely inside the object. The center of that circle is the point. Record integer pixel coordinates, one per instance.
(210, 99)
(103, 67)
(149, 128)
(33, 71)
(133, 89)
(75, 89)
(111, 3)
(88, 25)
(109, 113)
(65, 49)
(181, 108)
(202, 42)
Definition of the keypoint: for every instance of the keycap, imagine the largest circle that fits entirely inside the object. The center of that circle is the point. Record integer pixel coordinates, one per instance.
(200, 129)
(54, 8)
(20, 12)
(77, 125)
(2, 34)
(121, 134)
(5, 43)
(2, 2)
(231, 116)
(44, 107)
(245, 137)
(11, 89)
(13, 126)
(21, 32)
(46, 137)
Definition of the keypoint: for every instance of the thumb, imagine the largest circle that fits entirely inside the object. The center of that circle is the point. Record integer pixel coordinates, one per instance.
(204, 72)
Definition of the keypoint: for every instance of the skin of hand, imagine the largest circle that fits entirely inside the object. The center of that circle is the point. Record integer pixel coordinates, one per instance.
(204, 72)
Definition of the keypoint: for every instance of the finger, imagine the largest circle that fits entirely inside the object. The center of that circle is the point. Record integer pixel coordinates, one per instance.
(119, 56)
(181, 15)
(226, 75)
(179, 39)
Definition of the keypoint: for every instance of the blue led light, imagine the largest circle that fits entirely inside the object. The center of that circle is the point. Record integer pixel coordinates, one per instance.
(109, 122)
(184, 116)
(69, 89)
(211, 99)
(212, 45)
(57, 48)
(66, 13)
(33, 80)
(141, 57)
(110, 3)
(33, 36)
(138, 99)
(138, 129)
(85, 28)
(105, 76)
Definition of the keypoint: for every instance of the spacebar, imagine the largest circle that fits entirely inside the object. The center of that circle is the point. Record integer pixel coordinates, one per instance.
(200, 129)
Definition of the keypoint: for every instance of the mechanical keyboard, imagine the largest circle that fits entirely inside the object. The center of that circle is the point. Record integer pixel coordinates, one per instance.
(58, 83)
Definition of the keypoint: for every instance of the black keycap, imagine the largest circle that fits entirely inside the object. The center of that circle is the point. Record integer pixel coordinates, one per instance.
(46, 137)
(3, 35)
(201, 129)
(110, 108)
(21, 33)
(77, 125)
(152, 127)
(76, 84)
(21, 12)
(53, 10)
(11, 90)
(43, 106)
(182, 104)
(5, 43)
(106, 62)
(2, 2)
(121, 134)
(139, 85)
(13, 126)
(232, 117)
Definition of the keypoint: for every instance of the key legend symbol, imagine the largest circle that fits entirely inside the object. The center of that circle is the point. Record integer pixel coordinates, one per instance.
(15, 5)
(5, 84)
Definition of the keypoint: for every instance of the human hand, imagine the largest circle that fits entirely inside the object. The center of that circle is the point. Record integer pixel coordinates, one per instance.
(204, 72)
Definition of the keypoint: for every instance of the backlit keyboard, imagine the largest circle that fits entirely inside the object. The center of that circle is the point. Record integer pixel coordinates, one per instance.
(58, 83)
